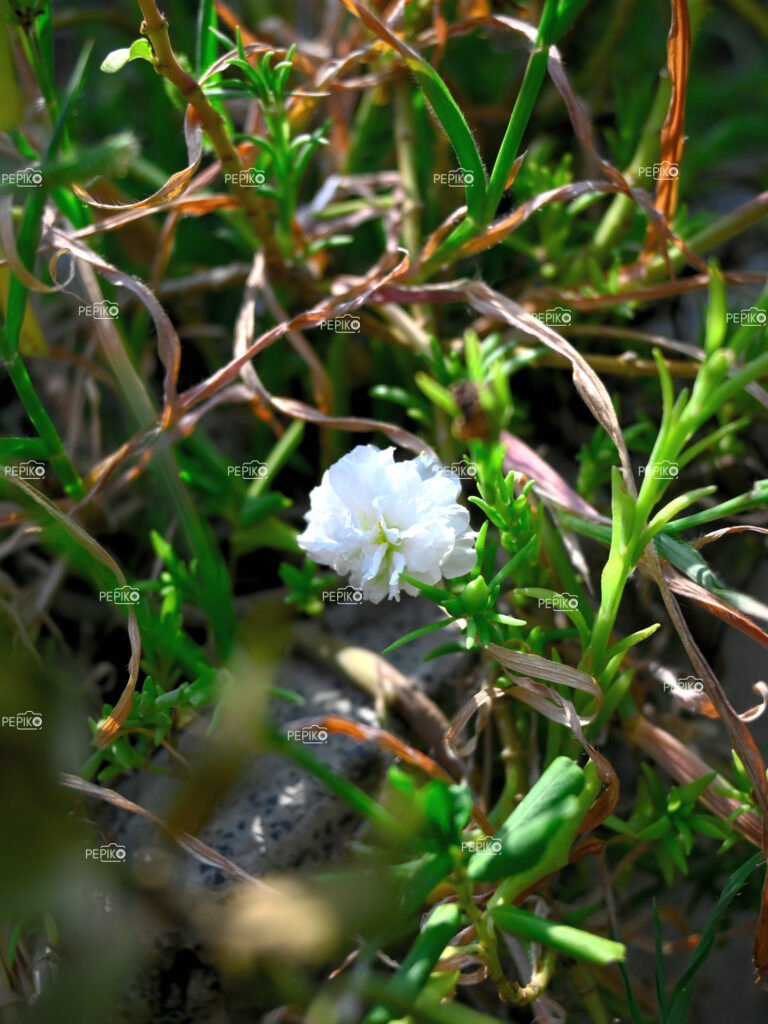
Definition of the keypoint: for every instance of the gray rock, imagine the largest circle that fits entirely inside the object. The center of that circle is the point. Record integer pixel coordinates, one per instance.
(275, 818)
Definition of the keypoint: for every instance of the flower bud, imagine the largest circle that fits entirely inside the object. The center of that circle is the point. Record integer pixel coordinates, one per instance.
(474, 597)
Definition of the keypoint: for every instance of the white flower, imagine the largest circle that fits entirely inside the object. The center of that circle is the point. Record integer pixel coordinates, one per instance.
(375, 519)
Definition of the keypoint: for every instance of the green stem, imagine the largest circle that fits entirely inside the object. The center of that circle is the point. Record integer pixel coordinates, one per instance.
(619, 212)
(508, 990)
(23, 447)
(533, 79)
(626, 550)
(584, 983)
(25, 389)
(155, 28)
(405, 140)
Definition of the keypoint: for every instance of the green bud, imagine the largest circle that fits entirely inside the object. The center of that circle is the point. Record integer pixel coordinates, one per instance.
(474, 597)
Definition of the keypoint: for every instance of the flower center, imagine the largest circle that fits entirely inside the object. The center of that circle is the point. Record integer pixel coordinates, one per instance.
(389, 535)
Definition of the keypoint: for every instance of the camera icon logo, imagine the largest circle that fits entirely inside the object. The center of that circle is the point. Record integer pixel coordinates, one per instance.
(750, 317)
(120, 595)
(558, 316)
(313, 735)
(106, 311)
(665, 171)
(343, 595)
(254, 469)
(25, 721)
(107, 853)
(31, 469)
(691, 683)
(666, 469)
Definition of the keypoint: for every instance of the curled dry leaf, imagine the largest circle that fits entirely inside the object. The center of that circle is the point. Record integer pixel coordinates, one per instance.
(706, 599)
(673, 129)
(108, 728)
(195, 847)
(588, 384)
(14, 261)
(548, 483)
(386, 741)
(555, 707)
(685, 766)
(168, 344)
(174, 187)
(523, 665)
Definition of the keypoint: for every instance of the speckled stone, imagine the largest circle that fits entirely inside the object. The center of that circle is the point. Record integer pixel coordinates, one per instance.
(276, 817)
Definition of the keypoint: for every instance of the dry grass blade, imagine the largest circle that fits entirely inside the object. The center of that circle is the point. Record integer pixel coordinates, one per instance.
(300, 411)
(708, 538)
(588, 384)
(540, 298)
(174, 187)
(684, 766)
(377, 278)
(673, 130)
(542, 668)
(548, 483)
(685, 587)
(386, 741)
(199, 850)
(168, 344)
(107, 729)
(13, 260)
(543, 698)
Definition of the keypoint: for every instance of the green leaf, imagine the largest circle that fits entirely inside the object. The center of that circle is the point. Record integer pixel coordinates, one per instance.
(117, 59)
(572, 941)
(717, 308)
(537, 837)
(440, 396)
(671, 509)
(426, 1010)
(448, 808)
(657, 830)
(680, 1001)
(429, 871)
(691, 792)
(413, 973)
(446, 110)
(141, 50)
(632, 640)
(205, 43)
(416, 633)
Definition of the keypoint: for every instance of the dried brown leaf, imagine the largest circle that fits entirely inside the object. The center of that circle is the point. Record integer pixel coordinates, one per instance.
(195, 847)
(174, 187)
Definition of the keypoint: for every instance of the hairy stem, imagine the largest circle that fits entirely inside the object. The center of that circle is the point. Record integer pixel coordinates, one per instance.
(155, 28)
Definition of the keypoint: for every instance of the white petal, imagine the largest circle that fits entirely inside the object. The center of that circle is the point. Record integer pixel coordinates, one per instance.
(462, 559)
